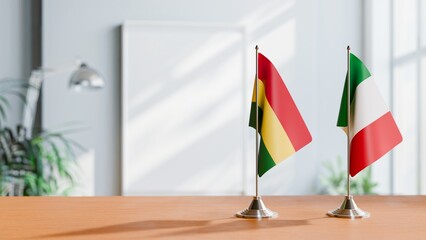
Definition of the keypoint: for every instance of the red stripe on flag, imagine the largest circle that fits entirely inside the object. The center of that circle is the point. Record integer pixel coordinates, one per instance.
(374, 141)
(282, 103)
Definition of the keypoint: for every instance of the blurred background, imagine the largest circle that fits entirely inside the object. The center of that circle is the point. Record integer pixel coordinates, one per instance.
(166, 87)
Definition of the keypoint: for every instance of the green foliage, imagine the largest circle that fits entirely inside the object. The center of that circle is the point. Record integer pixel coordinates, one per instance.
(335, 177)
(40, 165)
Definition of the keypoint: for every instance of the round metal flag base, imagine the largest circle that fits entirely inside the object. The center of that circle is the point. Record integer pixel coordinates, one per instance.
(257, 209)
(349, 209)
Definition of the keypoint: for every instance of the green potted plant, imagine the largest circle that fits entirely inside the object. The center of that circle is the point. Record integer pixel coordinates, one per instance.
(333, 180)
(33, 166)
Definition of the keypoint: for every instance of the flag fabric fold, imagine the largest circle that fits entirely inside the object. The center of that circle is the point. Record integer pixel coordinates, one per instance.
(373, 129)
(281, 127)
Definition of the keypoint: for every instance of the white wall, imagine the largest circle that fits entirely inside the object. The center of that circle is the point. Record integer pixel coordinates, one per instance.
(15, 47)
(306, 39)
(340, 24)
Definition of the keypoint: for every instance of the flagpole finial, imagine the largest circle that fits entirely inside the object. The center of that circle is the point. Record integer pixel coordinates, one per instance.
(257, 47)
(349, 48)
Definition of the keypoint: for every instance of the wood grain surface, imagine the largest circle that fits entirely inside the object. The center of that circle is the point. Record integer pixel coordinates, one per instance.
(300, 217)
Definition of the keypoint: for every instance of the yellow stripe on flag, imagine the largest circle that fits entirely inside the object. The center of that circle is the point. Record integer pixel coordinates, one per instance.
(273, 134)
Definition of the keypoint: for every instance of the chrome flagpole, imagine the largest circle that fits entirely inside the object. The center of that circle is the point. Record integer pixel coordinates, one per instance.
(348, 152)
(257, 120)
(257, 208)
(348, 209)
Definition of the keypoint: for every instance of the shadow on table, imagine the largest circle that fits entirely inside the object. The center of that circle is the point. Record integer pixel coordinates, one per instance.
(130, 227)
(196, 226)
(236, 226)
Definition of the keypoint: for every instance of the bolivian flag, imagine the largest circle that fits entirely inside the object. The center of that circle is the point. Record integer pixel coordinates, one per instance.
(281, 127)
(373, 129)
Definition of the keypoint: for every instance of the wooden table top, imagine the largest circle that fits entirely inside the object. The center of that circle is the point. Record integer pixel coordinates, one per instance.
(300, 217)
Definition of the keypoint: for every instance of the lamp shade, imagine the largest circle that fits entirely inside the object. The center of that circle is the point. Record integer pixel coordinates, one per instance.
(86, 77)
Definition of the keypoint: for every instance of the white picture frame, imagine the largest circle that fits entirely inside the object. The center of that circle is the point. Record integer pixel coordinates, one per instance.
(161, 155)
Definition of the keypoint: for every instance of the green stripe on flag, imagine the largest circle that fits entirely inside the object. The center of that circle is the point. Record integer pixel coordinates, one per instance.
(359, 73)
(252, 121)
(265, 160)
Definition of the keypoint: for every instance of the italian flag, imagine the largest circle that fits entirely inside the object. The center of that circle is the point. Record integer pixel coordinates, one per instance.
(281, 127)
(373, 130)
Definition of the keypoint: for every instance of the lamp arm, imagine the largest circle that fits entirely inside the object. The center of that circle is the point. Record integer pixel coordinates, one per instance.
(31, 99)
(48, 71)
(33, 93)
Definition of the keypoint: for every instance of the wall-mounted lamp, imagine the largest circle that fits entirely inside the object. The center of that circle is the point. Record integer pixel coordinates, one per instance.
(86, 77)
(82, 77)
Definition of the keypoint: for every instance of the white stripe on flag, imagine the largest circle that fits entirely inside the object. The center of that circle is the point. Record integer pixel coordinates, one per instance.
(367, 106)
